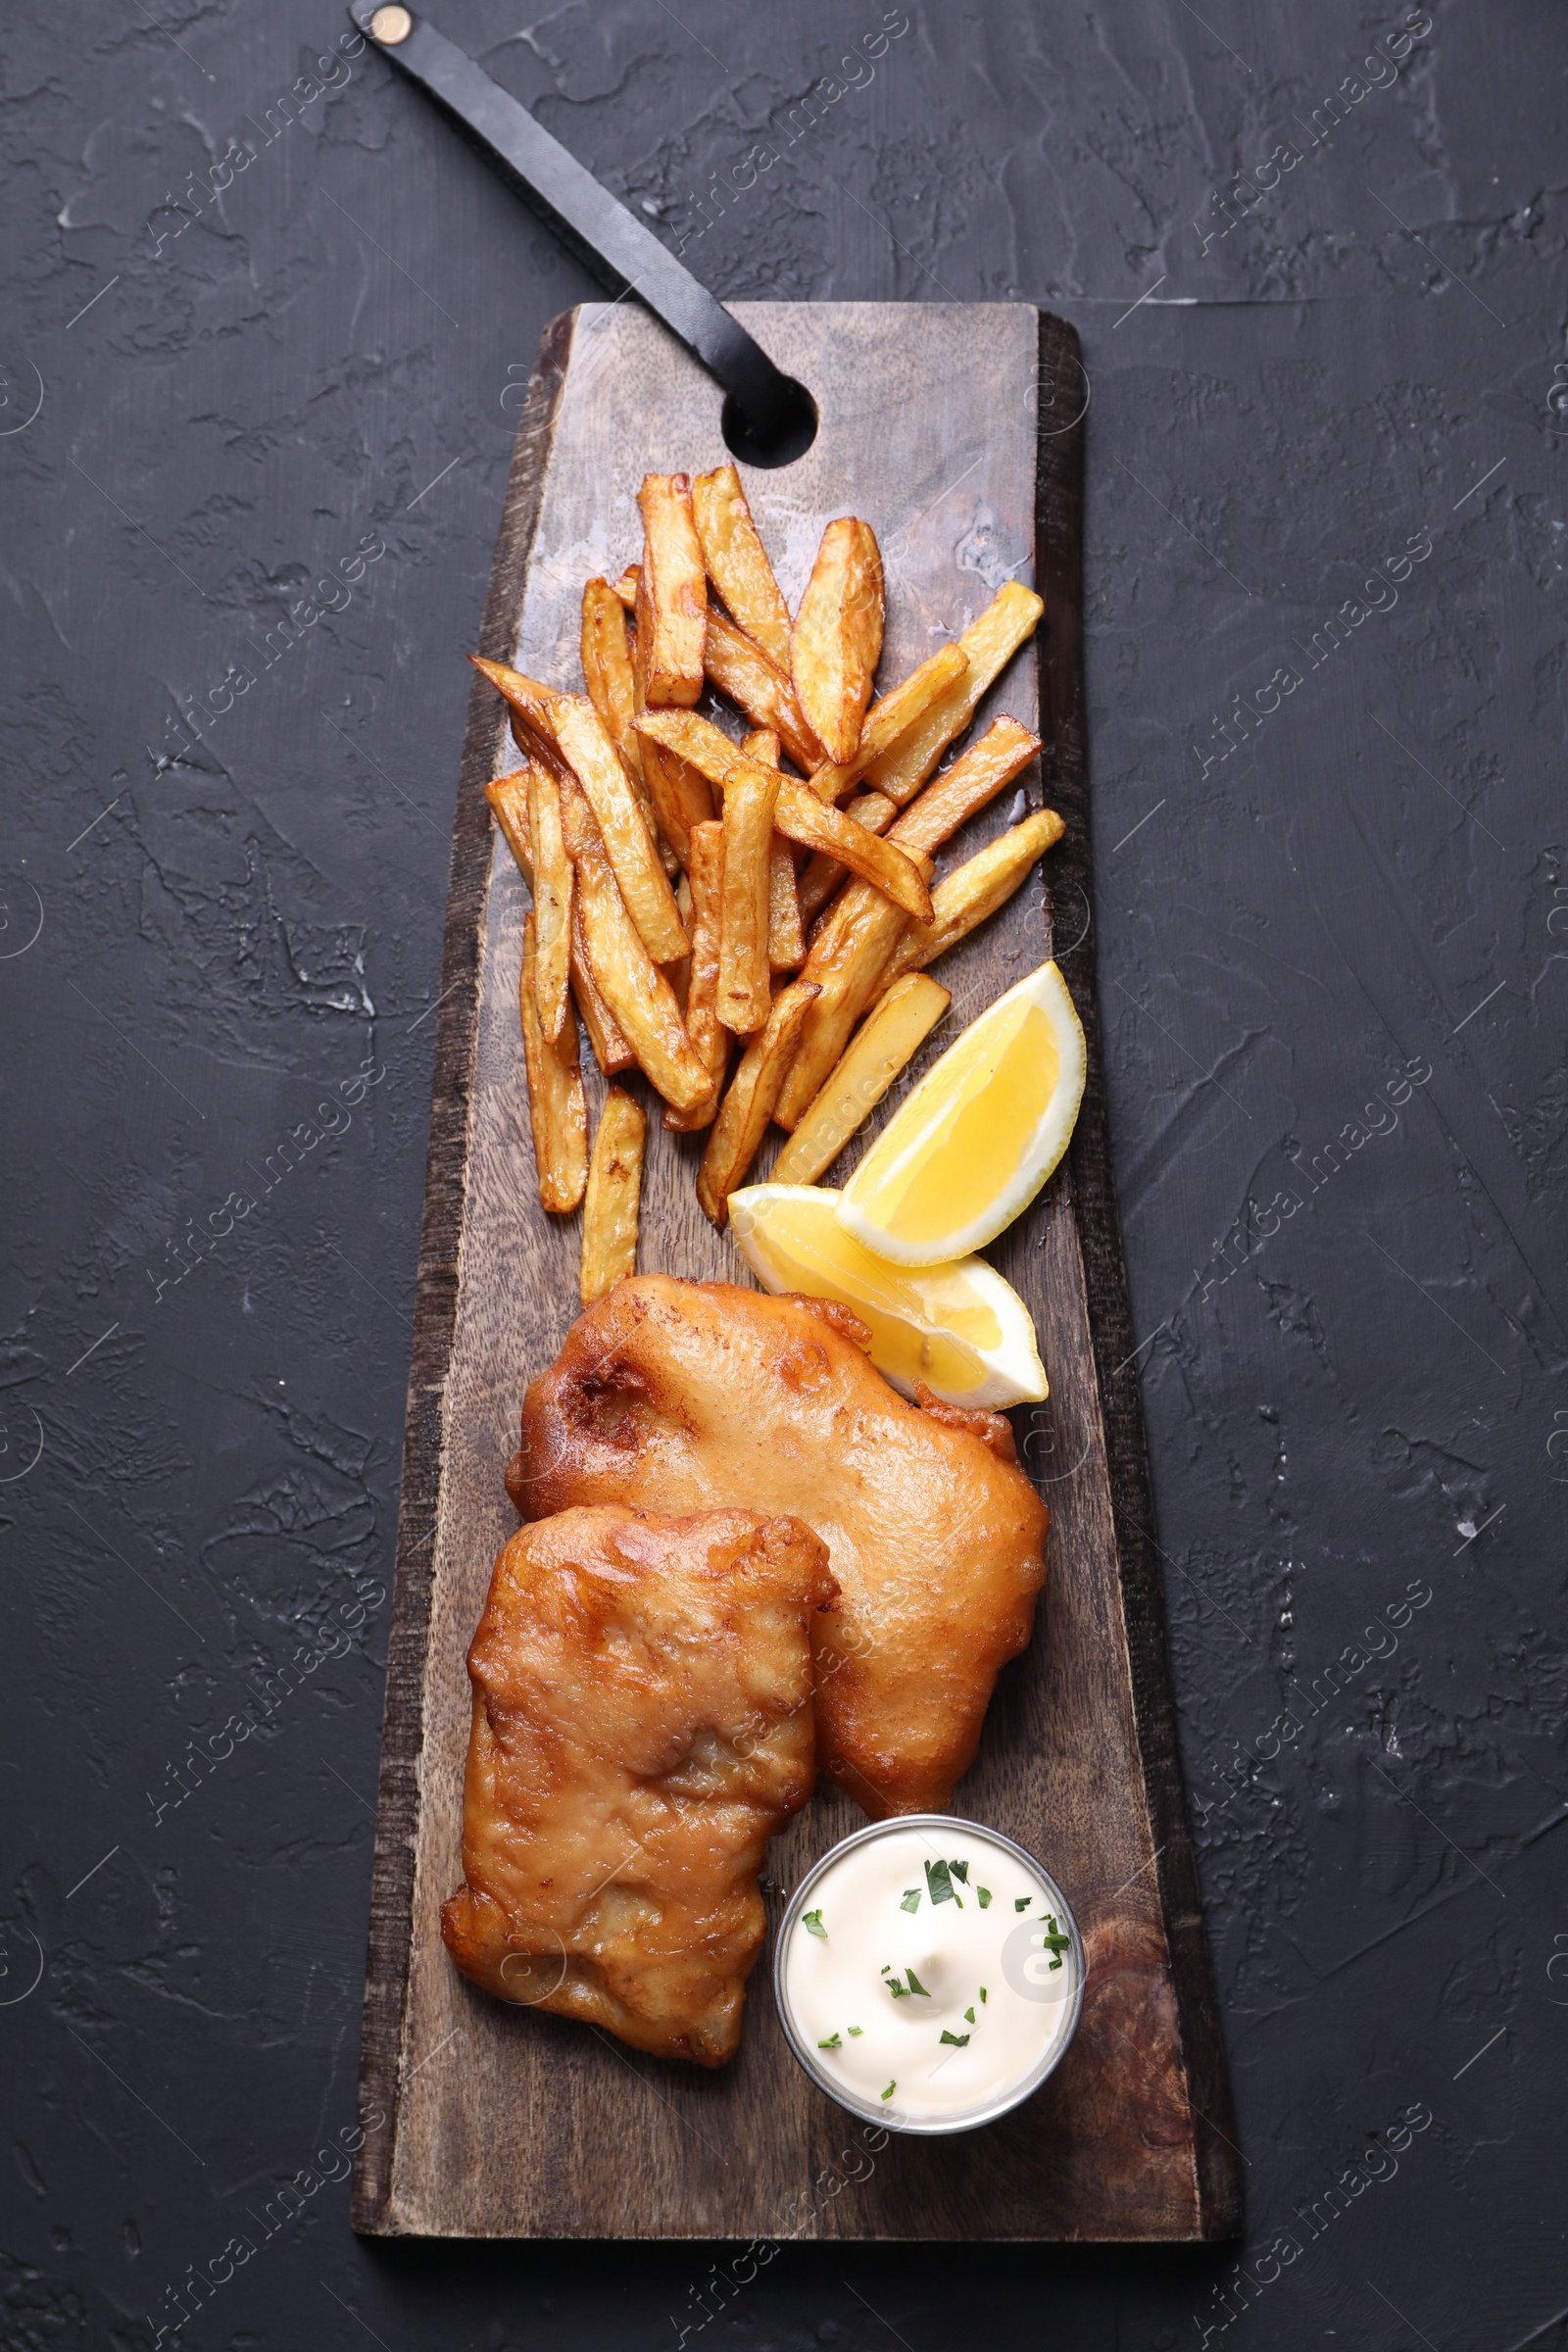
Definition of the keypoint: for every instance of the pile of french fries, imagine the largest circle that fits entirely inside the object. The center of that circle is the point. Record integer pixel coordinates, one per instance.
(694, 898)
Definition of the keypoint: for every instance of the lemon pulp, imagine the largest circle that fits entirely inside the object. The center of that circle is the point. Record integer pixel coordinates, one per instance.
(949, 1174)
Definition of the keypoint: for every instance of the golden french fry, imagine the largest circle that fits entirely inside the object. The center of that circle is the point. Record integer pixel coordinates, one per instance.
(836, 641)
(557, 1107)
(988, 644)
(694, 739)
(786, 938)
(612, 1049)
(798, 813)
(710, 1037)
(598, 767)
(737, 561)
(625, 588)
(673, 591)
(953, 798)
(786, 933)
(678, 974)
(848, 962)
(529, 703)
(508, 797)
(974, 890)
(891, 717)
(878, 1051)
(631, 984)
(551, 887)
(749, 797)
(682, 799)
(614, 1196)
(743, 671)
(747, 1106)
(816, 825)
(606, 670)
(821, 875)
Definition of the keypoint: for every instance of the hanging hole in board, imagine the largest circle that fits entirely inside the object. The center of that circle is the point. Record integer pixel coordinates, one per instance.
(784, 435)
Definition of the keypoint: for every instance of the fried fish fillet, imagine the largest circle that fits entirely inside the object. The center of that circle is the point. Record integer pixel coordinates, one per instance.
(642, 1724)
(687, 1396)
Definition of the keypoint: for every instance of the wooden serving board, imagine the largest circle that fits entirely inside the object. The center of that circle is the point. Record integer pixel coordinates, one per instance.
(957, 431)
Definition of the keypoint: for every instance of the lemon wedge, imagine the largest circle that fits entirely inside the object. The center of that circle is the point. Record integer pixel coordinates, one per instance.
(958, 1327)
(978, 1137)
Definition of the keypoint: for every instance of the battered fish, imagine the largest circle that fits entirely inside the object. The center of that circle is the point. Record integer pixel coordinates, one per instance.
(683, 1395)
(642, 1724)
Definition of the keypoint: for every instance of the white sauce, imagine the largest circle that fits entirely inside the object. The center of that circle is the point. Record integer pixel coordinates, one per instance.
(993, 1959)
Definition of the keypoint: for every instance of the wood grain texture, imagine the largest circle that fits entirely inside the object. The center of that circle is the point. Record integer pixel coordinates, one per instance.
(507, 2122)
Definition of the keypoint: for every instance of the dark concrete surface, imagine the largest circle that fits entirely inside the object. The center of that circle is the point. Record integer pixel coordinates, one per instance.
(1330, 939)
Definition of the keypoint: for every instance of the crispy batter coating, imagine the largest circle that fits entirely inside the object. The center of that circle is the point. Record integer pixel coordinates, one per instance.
(642, 1724)
(683, 1395)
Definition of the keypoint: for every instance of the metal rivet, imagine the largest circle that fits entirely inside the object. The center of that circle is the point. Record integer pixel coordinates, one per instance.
(390, 26)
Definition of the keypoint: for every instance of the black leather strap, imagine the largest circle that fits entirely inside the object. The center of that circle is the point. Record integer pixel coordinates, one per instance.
(599, 228)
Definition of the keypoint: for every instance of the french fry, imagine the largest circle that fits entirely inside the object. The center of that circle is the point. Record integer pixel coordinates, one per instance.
(673, 592)
(681, 797)
(613, 1048)
(798, 813)
(608, 672)
(746, 1110)
(848, 962)
(625, 588)
(786, 938)
(821, 875)
(614, 1196)
(586, 747)
(679, 972)
(631, 984)
(737, 561)
(974, 890)
(507, 796)
(749, 797)
(988, 644)
(893, 717)
(803, 817)
(836, 641)
(964, 789)
(743, 671)
(694, 739)
(557, 1108)
(880, 1048)
(529, 703)
(710, 1037)
(551, 887)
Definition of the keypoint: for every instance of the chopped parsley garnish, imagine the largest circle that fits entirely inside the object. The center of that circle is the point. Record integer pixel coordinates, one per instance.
(984, 1892)
(884, 1969)
(857, 2030)
(916, 1984)
(938, 1882)
(968, 2017)
(912, 1899)
(1021, 1902)
(961, 1871)
(982, 1993)
(960, 2042)
(811, 1921)
(891, 2088)
(1054, 1940)
(898, 1991)
(832, 2043)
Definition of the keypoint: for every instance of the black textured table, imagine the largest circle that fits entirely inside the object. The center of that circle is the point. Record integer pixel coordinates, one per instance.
(267, 327)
